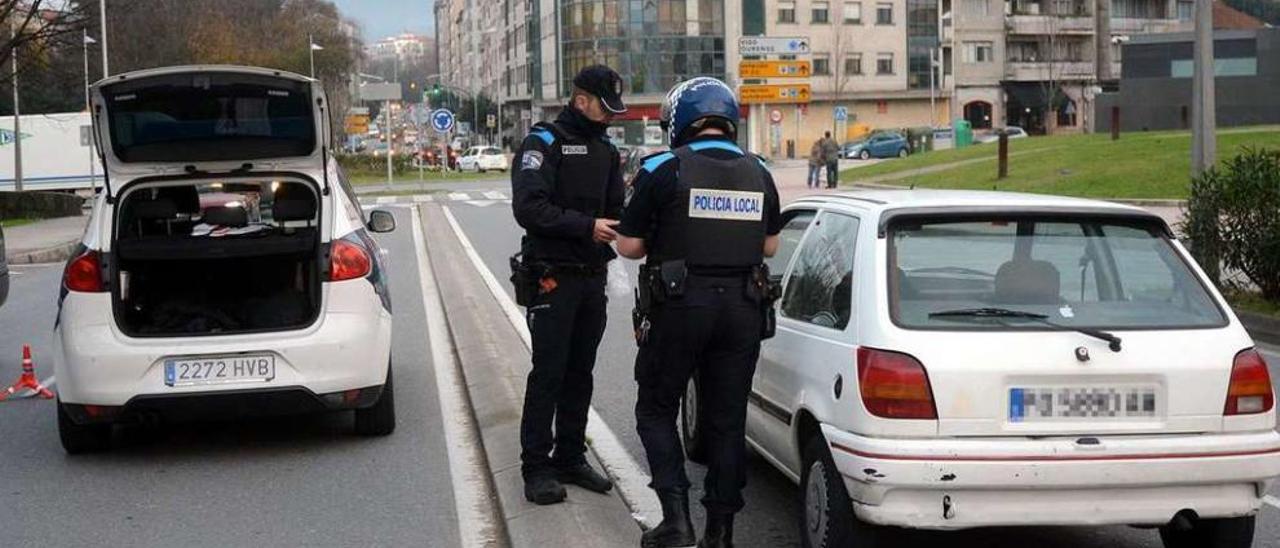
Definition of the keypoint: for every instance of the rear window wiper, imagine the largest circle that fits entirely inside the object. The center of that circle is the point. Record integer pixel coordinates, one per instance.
(1112, 340)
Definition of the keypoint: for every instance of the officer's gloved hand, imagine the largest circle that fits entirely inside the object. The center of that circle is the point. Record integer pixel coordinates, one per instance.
(604, 231)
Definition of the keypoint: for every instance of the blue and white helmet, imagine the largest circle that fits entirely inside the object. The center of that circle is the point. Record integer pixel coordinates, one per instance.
(697, 99)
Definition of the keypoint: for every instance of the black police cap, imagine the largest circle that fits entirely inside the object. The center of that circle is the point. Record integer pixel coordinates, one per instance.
(603, 82)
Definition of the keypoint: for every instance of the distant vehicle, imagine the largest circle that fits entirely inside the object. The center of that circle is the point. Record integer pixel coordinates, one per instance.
(55, 154)
(950, 360)
(4, 271)
(483, 158)
(1014, 132)
(227, 270)
(634, 157)
(880, 145)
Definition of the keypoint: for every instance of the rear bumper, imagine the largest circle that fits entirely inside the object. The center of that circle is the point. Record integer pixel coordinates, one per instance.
(955, 484)
(225, 405)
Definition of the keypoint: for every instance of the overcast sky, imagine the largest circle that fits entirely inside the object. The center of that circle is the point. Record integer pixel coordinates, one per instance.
(382, 18)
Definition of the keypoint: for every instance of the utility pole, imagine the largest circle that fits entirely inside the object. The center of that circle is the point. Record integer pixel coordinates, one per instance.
(86, 41)
(17, 121)
(102, 13)
(1203, 109)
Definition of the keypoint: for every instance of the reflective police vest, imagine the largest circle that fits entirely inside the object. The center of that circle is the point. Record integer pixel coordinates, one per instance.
(582, 165)
(717, 216)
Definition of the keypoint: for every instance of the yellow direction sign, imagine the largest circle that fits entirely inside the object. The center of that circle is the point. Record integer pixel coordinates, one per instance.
(775, 69)
(357, 124)
(775, 93)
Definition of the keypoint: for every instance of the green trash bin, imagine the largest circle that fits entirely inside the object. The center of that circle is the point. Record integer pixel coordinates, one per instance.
(963, 132)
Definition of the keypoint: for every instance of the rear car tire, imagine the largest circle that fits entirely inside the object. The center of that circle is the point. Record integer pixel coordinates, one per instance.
(79, 439)
(380, 418)
(695, 443)
(902, 153)
(826, 514)
(1211, 533)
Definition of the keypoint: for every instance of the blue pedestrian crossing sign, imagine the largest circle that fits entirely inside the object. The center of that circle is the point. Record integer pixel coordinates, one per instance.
(842, 114)
(442, 120)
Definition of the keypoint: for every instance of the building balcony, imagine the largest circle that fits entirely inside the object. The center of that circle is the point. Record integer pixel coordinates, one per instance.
(1043, 70)
(1049, 24)
(1149, 26)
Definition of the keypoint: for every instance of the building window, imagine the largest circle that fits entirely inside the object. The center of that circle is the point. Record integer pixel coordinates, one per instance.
(1186, 10)
(821, 13)
(884, 63)
(821, 64)
(884, 14)
(786, 12)
(853, 13)
(853, 64)
(977, 8)
(978, 52)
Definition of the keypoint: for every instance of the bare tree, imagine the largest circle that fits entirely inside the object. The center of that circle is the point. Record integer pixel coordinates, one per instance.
(34, 27)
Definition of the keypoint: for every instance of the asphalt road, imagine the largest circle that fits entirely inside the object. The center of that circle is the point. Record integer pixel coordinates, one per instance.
(770, 517)
(303, 481)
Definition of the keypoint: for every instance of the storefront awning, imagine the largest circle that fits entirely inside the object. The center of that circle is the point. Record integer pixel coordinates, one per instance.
(1032, 94)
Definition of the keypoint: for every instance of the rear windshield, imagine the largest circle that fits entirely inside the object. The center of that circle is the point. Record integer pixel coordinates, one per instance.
(210, 117)
(1078, 272)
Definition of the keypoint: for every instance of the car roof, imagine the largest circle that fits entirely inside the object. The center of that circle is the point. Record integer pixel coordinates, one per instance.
(877, 199)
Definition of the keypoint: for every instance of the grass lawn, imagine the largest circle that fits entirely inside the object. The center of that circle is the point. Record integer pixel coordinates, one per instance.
(10, 223)
(372, 178)
(1139, 165)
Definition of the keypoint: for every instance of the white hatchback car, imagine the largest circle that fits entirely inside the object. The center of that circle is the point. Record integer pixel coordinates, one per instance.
(482, 159)
(227, 269)
(947, 360)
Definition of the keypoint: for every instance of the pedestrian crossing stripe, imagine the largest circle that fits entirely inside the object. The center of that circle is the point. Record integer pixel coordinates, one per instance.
(386, 199)
(423, 198)
(495, 195)
(459, 196)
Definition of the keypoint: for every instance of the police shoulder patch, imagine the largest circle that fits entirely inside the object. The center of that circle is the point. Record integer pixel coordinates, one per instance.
(726, 205)
(531, 159)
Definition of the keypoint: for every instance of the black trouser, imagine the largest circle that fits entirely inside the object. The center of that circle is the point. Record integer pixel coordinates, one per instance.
(714, 332)
(833, 174)
(566, 324)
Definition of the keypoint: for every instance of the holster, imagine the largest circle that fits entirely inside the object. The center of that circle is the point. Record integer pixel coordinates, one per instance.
(524, 279)
(673, 275)
(764, 290)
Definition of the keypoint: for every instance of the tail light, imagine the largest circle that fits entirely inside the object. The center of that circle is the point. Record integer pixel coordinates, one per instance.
(894, 385)
(348, 261)
(84, 274)
(1250, 390)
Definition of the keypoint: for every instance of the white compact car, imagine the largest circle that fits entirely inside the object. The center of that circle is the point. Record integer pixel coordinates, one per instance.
(947, 360)
(482, 159)
(227, 269)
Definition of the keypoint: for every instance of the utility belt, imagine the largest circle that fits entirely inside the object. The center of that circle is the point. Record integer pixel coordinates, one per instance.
(668, 281)
(527, 277)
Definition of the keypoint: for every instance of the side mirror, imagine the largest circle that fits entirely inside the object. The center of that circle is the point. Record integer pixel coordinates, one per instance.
(381, 222)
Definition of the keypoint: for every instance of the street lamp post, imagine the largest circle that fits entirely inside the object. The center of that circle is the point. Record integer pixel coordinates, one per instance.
(17, 119)
(86, 41)
(312, 48)
(1204, 124)
(102, 13)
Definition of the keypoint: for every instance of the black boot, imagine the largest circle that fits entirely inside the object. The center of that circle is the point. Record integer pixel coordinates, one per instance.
(543, 489)
(676, 528)
(585, 477)
(719, 533)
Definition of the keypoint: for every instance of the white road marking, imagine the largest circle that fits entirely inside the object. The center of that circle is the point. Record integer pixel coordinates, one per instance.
(459, 196)
(630, 478)
(480, 203)
(386, 200)
(495, 195)
(367, 207)
(476, 518)
(423, 198)
(1274, 502)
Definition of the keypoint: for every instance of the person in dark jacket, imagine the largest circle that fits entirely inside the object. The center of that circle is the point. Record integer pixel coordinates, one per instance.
(567, 194)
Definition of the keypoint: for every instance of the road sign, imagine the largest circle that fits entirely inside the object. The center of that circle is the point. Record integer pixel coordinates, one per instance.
(775, 69)
(380, 92)
(764, 45)
(442, 120)
(842, 114)
(357, 124)
(775, 116)
(775, 93)
(491, 121)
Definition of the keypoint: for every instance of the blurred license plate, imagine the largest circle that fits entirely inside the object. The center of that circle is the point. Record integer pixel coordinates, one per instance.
(1081, 402)
(219, 370)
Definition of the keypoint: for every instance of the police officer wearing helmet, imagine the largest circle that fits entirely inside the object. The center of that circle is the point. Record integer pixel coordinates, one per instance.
(705, 215)
(567, 193)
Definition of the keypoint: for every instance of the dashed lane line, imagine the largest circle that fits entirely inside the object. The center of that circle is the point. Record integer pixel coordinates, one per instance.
(632, 481)
(459, 196)
(383, 200)
(495, 195)
(423, 198)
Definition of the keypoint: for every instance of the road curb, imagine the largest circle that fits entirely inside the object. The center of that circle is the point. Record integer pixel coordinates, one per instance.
(1260, 327)
(494, 363)
(55, 254)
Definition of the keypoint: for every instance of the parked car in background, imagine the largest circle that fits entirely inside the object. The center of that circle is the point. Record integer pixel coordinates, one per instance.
(633, 158)
(879, 145)
(483, 158)
(1014, 132)
(225, 274)
(949, 360)
(4, 271)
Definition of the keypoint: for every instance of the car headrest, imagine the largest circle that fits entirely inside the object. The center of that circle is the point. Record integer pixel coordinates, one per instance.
(1027, 281)
(293, 202)
(186, 198)
(154, 209)
(226, 216)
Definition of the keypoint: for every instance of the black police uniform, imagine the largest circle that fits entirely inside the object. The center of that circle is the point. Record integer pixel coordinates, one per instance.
(564, 176)
(688, 205)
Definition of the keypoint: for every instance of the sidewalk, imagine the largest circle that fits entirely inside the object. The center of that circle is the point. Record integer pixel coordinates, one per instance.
(46, 241)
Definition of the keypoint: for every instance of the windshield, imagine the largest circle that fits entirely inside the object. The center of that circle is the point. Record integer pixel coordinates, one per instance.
(1079, 273)
(210, 117)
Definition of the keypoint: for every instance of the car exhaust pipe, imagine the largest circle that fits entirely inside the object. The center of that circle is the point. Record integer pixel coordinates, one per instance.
(1184, 520)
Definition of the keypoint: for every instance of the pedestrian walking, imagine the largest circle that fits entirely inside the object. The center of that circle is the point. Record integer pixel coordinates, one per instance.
(816, 163)
(705, 215)
(567, 193)
(831, 152)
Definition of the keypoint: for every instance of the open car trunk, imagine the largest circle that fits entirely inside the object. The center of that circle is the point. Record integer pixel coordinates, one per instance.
(216, 258)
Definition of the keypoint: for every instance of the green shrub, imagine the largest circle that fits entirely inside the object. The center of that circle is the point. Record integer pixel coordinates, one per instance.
(368, 163)
(1233, 220)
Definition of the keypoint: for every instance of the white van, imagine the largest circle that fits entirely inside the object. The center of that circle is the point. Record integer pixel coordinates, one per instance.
(947, 360)
(227, 269)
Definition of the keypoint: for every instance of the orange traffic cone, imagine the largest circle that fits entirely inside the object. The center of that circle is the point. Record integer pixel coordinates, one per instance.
(28, 379)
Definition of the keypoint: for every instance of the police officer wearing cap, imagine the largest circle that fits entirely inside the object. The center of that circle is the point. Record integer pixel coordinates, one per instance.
(705, 215)
(567, 193)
